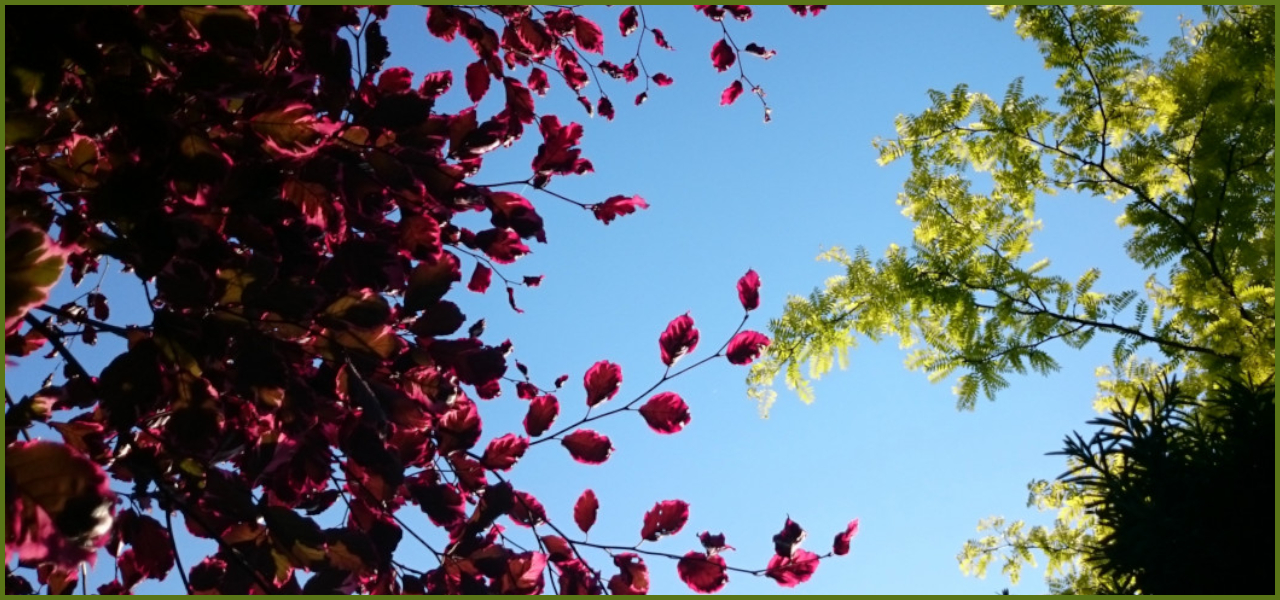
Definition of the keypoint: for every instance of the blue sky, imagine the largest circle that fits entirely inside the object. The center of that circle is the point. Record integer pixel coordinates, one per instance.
(728, 193)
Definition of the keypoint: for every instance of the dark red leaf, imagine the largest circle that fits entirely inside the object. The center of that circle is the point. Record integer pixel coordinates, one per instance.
(703, 574)
(526, 390)
(588, 447)
(538, 81)
(511, 299)
(794, 570)
(749, 290)
(527, 511)
(722, 56)
(442, 22)
(804, 10)
(627, 21)
(522, 574)
(436, 84)
(616, 206)
(662, 79)
(515, 211)
(98, 303)
(665, 518)
(535, 37)
(746, 347)
(543, 411)
(633, 578)
(532, 280)
(477, 80)
(560, 21)
(714, 12)
(560, 381)
(577, 579)
(152, 555)
(574, 75)
(602, 381)
(713, 544)
(758, 50)
(665, 413)
(441, 502)
(60, 507)
(787, 541)
(584, 510)
(430, 281)
(588, 34)
(459, 428)
(519, 100)
(678, 339)
(630, 71)
(480, 278)
(661, 40)
(605, 108)
(558, 153)
(641, 97)
(841, 545)
(558, 550)
(739, 12)
(501, 245)
(731, 93)
(395, 80)
(503, 452)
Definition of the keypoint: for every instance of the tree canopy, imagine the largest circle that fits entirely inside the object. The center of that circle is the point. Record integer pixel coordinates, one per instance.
(292, 209)
(1185, 141)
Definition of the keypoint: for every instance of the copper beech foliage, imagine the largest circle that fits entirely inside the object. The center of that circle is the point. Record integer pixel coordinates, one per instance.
(288, 205)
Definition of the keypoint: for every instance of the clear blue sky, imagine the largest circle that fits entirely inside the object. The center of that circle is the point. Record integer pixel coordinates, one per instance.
(729, 193)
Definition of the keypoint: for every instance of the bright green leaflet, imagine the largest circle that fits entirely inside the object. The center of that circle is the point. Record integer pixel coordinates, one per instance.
(1186, 142)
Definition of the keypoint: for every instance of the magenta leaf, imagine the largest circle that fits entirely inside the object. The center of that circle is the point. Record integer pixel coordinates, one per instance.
(749, 290)
(746, 347)
(395, 80)
(538, 81)
(787, 541)
(739, 12)
(617, 206)
(794, 570)
(543, 411)
(661, 40)
(602, 382)
(662, 79)
(503, 452)
(731, 93)
(633, 578)
(588, 35)
(665, 518)
(703, 574)
(760, 51)
(713, 544)
(722, 56)
(627, 21)
(841, 545)
(679, 338)
(527, 511)
(665, 413)
(605, 108)
(584, 510)
(436, 84)
(588, 447)
(477, 80)
(480, 278)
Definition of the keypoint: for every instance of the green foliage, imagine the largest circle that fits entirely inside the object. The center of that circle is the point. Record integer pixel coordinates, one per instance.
(1184, 141)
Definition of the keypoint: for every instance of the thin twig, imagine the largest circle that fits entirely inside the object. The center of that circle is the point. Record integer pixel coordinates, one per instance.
(177, 556)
